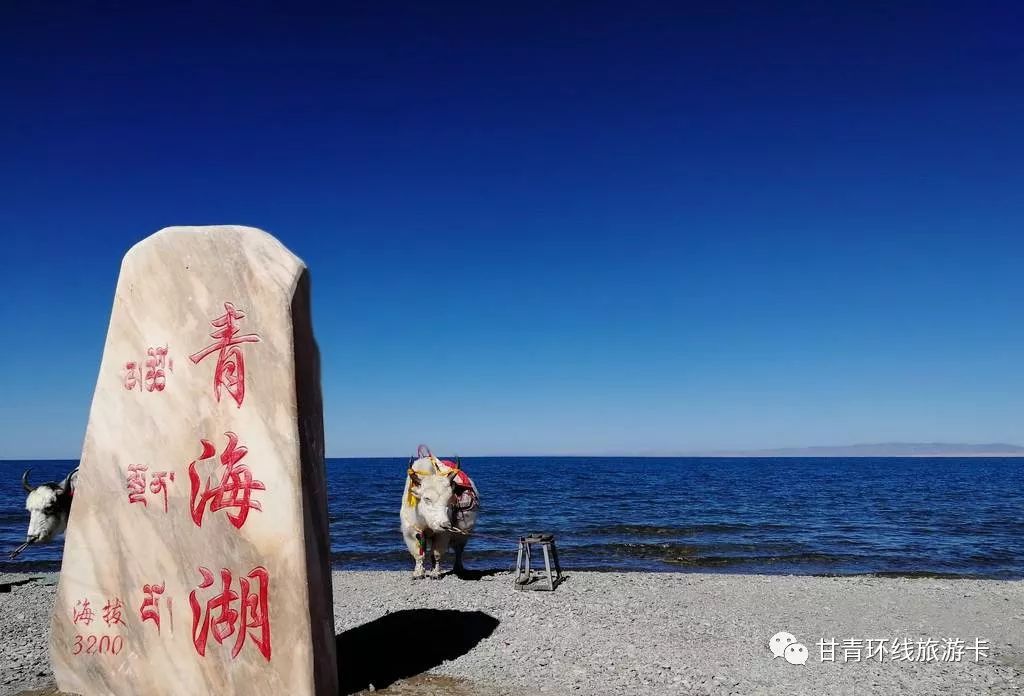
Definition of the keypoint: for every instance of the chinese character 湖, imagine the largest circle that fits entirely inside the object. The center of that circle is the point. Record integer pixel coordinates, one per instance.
(228, 613)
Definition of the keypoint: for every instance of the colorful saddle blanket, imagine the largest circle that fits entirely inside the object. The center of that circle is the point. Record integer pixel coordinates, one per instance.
(465, 493)
(466, 497)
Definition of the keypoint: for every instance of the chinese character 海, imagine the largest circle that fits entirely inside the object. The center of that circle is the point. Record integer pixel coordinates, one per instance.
(230, 370)
(227, 613)
(234, 490)
(82, 613)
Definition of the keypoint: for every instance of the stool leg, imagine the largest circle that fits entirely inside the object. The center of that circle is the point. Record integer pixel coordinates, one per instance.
(554, 557)
(529, 565)
(547, 567)
(519, 564)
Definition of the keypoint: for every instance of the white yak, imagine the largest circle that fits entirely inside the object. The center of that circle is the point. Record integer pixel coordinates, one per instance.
(439, 507)
(48, 505)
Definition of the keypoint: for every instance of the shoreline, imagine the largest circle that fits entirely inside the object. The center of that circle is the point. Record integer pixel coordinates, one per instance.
(615, 632)
(30, 572)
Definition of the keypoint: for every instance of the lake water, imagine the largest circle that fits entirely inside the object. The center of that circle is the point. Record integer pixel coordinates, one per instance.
(919, 516)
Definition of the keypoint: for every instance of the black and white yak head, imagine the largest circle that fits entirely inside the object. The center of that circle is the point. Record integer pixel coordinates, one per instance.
(48, 505)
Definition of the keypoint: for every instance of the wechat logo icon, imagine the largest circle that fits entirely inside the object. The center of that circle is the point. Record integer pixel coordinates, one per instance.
(784, 645)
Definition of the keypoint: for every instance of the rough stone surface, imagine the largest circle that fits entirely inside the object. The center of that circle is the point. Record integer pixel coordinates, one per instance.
(627, 633)
(199, 523)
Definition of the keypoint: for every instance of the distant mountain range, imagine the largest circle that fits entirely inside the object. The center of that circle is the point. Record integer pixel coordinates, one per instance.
(884, 449)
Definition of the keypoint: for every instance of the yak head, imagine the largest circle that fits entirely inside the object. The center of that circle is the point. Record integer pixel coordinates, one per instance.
(436, 498)
(49, 505)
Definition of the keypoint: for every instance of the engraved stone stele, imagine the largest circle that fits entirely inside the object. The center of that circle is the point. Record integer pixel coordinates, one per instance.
(196, 558)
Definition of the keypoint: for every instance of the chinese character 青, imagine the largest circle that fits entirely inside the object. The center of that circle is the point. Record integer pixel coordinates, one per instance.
(230, 370)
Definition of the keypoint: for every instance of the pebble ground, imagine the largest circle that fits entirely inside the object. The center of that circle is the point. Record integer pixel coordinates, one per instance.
(620, 633)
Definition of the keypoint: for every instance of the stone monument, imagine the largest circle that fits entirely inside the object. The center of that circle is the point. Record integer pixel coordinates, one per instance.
(196, 559)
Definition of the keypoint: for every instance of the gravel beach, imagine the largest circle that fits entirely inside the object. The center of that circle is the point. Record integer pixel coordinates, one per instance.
(625, 633)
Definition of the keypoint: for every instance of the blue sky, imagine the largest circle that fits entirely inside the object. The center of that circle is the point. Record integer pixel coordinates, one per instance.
(548, 227)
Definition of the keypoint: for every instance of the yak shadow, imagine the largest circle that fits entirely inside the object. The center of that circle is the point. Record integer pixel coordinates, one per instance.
(405, 643)
(476, 575)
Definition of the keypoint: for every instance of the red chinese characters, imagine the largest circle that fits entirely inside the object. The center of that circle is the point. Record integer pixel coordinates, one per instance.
(88, 643)
(82, 613)
(112, 612)
(151, 375)
(227, 613)
(230, 370)
(150, 608)
(135, 483)
(233, 492)
(232, 610)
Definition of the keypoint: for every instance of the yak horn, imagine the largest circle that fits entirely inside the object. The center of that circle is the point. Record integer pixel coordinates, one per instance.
(24, 481)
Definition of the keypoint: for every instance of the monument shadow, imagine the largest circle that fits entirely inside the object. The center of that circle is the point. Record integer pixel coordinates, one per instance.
(397, 645)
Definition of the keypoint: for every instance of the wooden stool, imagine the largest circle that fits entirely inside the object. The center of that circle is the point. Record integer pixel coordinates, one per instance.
(524, 572)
